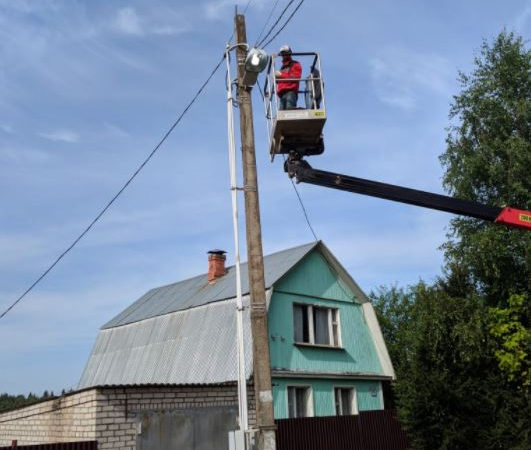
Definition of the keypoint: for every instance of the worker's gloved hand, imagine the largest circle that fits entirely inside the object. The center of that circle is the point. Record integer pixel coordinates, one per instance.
(278, 73)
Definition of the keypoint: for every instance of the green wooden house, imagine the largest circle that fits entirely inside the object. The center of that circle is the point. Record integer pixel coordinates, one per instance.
(328, 356)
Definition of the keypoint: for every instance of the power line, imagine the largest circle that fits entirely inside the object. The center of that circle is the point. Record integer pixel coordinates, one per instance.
(276, 22)
(266, 22)
(246, 6)
(284, 25)
(302, 206)
(293, 183)
(127, 183)
(143, 164)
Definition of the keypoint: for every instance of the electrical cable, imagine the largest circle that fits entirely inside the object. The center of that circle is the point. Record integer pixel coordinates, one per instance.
(302, 205)
(143, 164)
(246, 6)
(266, 23)
(263, 99)
(292, 182)
(127, 183)
(283, 26)
(276, 22)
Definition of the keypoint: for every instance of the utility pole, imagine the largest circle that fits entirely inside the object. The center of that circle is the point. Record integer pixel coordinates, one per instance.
(255, 258)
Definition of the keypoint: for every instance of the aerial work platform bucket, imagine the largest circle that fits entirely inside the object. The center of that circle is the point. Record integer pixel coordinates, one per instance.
(299, 130)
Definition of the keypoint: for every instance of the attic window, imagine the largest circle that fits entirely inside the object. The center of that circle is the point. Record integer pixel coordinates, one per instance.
(316, 325)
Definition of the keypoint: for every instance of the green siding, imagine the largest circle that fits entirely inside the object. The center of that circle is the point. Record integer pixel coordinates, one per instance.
(368, 394)
(313, 276)
(312, 279)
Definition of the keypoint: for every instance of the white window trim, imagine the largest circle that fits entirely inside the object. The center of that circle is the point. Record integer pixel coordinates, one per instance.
(380, 392)
(354, 399)
(338, 320)
(331, 328)
(311, 332)
(309, 402)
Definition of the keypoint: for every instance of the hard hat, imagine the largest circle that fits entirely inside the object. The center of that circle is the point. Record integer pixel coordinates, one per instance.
(285, 49)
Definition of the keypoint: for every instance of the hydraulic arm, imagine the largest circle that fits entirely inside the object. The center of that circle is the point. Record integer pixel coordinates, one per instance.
(304, 173)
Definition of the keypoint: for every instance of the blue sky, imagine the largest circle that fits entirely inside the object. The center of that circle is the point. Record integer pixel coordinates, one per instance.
(88, 87)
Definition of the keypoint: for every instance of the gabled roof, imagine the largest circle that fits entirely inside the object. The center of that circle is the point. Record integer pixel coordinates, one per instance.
(197, 291)
(184, 333)
(193, 346)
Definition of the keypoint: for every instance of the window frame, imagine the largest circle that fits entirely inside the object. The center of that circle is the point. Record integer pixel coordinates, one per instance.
(309, 399)
(353, 399)
(334, 319)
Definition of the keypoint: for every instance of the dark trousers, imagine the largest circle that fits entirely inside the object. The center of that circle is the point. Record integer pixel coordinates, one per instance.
(287, 100)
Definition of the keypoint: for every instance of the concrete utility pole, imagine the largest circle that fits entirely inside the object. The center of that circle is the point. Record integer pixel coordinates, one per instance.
(261, 363)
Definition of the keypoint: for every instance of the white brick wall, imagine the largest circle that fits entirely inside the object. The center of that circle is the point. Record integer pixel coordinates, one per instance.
(65, 419)
(108, 415)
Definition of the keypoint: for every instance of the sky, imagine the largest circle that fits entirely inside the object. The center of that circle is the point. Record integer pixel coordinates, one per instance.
(87, 88)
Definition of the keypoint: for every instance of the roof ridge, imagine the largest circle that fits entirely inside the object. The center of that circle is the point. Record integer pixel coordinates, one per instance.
(195, 291)
(230, 267)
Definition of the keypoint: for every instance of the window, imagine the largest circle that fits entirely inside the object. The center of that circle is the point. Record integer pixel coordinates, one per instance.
(299, 401)
(316, 325)
(345, 399)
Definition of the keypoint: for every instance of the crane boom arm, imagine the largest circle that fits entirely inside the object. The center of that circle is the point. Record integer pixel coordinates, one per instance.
(304, 173)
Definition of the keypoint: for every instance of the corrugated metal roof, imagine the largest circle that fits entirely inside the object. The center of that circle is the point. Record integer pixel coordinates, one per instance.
(185, 333)
(194, 346)
(197, 291)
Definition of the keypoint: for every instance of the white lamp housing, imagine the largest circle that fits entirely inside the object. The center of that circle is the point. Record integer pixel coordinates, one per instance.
(255, 62)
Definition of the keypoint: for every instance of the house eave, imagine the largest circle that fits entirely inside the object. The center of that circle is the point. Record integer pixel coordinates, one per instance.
(330, 375)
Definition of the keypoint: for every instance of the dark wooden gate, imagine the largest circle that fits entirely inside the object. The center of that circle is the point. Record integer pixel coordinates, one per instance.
(371, 430)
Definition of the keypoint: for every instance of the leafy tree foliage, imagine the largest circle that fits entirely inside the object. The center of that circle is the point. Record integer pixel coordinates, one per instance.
(8, 402)
(460, 348)
(487, 160)
(449, 391)
(509, 326)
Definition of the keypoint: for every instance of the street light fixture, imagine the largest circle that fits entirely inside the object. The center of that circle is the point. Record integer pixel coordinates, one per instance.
(255, 62)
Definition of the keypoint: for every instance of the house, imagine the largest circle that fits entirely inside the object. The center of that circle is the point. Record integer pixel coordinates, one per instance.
(327, 352)
(171, 358)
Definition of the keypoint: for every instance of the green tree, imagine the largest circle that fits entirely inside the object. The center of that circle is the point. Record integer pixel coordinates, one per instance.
(9, 402)
(394, 307)
(460, 347)
(449, 392)
(441, 382)
(511, 331)
(487, 160)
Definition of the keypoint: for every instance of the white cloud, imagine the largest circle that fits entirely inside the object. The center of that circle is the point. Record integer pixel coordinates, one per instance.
(115, 131)
(61, 136)
(128, 22)
(399, 76)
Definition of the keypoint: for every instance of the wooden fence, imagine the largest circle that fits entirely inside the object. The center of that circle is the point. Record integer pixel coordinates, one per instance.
(84, 445)
(371, 430)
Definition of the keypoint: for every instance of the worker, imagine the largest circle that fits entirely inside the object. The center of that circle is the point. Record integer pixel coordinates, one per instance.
(291, 71)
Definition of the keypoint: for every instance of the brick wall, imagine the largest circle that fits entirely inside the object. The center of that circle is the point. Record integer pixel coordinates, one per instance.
(118, 408)
(109, 415)
(68, 418)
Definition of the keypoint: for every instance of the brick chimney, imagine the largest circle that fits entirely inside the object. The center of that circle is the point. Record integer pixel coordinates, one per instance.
(216, 264)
